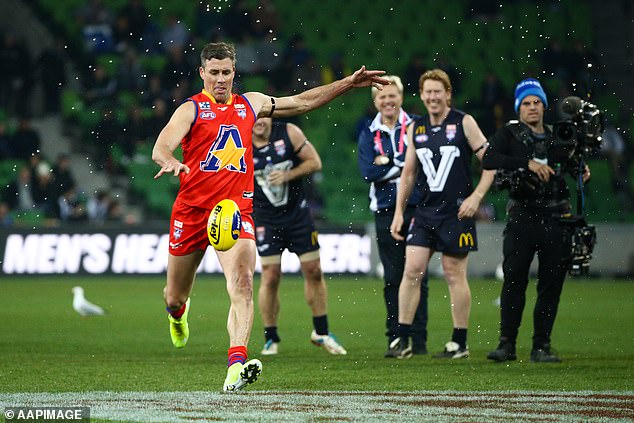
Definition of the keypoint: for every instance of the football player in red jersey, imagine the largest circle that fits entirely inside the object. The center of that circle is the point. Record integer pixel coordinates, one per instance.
(214, 130)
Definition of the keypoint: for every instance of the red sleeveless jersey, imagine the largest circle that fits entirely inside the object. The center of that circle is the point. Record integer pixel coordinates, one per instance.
(219, 153)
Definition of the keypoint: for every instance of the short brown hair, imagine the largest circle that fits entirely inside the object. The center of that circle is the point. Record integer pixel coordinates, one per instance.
(435, 75)
(218, 51)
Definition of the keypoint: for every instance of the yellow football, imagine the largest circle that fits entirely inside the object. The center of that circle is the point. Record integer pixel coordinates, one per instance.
(224, 224)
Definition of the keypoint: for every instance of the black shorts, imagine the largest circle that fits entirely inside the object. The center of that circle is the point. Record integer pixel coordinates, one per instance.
(298, 236)
(451, 235)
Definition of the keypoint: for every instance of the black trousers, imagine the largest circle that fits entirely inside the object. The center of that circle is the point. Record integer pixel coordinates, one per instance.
(525, 235)
(392, 254)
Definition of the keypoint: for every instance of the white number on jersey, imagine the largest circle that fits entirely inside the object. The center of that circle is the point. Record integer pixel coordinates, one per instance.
(436, 178)
(276, 194)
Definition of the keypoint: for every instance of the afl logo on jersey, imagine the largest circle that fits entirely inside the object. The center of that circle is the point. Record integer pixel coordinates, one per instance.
(421, 138)
(450, 131)
(280, 147)
(207, 115)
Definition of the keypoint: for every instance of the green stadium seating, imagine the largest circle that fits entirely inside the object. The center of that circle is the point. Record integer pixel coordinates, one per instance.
(384, 36)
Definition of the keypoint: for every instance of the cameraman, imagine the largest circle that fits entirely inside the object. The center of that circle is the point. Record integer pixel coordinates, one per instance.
(533, 226)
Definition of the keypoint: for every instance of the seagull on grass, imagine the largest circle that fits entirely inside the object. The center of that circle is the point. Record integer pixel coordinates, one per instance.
(83, 306)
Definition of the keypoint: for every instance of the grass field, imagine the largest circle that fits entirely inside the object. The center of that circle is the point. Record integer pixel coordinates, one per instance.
(47, 348)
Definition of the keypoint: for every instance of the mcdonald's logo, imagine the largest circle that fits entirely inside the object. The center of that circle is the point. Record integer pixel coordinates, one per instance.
(466, 240)
(420, 130)
(313, 237)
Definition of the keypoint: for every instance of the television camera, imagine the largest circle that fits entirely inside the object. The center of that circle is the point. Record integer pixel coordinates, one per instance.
(574, 139)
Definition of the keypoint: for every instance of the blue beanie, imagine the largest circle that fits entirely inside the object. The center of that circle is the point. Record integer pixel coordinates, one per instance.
(529, 86)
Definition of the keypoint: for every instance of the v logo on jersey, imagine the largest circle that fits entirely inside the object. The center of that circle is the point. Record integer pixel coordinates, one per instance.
(436, 178)
(226, 152)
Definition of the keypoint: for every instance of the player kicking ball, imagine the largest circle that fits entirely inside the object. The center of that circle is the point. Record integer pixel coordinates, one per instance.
(214, 130)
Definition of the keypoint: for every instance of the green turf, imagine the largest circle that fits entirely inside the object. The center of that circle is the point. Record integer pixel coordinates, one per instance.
(46, 347)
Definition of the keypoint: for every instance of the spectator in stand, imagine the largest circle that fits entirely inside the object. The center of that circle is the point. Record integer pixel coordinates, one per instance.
(265, 19)
(130, 75)
(138, 19)
(96, 21)
(335, 69)
(175, 34)
(106, 132)
(63, 178)
(415, 68)
(136, 132)
(553, 61)
(16, 78)
(115, 211)
(307, 75)
(98, 206)
(176, 69)
(25, 141)
(155, 91)
(613, 148)
(159, 117)
(99, 86)
(18, 194)
(44, 193)
(6, 220)
(493, 104)
(52, 74)
(70, 207)
(6, 149)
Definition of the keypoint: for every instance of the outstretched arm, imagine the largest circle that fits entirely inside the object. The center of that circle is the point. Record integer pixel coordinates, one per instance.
(170, 138)
(315, 97)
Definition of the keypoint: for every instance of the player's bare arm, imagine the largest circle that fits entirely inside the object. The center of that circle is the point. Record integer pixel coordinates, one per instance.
(478, 143)
(266, 106)
(408, 180)
(169, 139)
(310, 160)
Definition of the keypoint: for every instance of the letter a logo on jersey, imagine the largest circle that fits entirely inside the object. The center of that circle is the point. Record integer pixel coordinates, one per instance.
(226, 152)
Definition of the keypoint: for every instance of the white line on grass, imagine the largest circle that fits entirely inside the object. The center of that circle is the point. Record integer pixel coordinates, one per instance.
(278, 406)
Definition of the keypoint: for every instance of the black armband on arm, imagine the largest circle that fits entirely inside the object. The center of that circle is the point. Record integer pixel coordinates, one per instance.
(306, 142)
(272, 107)
(484, 145)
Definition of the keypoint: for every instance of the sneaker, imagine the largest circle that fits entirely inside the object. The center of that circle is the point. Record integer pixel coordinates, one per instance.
(179, 328)
(504, 352)
(329, 342)
(452, 350)
(400, 348)
(240, 375)
(544, 355)
(270, 348)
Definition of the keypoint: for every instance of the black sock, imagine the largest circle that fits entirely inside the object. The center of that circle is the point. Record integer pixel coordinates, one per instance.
(459, 336)
(271, 333)
(320, 323)
(404, 330)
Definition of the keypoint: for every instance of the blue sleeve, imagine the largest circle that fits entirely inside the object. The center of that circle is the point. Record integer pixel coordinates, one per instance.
(366, 154)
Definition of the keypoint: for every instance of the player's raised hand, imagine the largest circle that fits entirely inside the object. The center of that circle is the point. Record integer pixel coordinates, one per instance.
(173, 166)
(366, 78)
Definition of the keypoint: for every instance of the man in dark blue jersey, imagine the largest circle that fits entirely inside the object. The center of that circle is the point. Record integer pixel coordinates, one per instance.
(282, 157)
(441, 145)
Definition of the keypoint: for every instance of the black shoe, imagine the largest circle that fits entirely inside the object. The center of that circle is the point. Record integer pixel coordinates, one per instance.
(419, 349)
(504, 352)
(544, 355)
(453, 350)
(400, 348)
